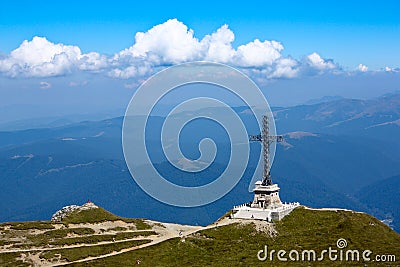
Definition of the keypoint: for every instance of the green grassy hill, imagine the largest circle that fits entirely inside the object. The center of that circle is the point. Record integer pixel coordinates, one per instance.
(231, 243)
(238, 244)
(100, 215)
(83, 233)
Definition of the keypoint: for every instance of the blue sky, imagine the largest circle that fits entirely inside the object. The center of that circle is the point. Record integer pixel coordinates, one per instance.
(90, 56)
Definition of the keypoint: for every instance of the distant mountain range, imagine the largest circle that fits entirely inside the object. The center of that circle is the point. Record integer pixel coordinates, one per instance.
(337, 153)
(322, 100)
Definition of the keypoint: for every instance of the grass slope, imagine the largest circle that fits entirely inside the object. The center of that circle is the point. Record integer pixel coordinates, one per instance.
(43, 234)
(237, 244)
(101, 215)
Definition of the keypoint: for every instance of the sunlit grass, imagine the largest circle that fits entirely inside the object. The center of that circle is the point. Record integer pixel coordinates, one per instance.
(237, 245)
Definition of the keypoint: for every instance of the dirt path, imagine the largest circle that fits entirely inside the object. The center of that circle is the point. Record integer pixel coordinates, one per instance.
(167, 232)
(73, 246)
(97, 227)
(331, 209)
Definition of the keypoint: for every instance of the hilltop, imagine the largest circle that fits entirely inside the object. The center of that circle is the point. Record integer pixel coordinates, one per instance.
(99, 238)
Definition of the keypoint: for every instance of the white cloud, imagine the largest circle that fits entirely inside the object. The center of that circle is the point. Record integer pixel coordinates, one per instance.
(314, 60)
(168, 43)
(390, 69)
(41, 58)
(45, 85)
(362, 68)
(285, 68)
(131, 71)
(172, 42)
(257, 53)
(92, 61)
(218, 45)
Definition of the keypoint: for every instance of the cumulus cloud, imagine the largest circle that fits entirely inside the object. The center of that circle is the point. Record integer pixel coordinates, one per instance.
(218, 45)
(173, 42)
(168, 43)
(285, 68)
(257, 53)
(390, 69)
(314, 60)
(362, 68)
(131, 71)
(92, 61)
(41, 58)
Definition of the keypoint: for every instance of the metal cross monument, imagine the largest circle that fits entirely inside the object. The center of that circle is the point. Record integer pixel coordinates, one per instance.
(266, 140)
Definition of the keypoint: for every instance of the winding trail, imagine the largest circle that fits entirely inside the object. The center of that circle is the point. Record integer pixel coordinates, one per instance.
(78, 245)
(170, 231)
(165, 231)
(331, 209)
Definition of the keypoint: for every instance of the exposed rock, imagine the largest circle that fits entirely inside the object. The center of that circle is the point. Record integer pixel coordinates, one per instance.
(65, 211)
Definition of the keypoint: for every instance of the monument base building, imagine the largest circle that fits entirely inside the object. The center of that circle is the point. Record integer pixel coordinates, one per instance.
(265, 206)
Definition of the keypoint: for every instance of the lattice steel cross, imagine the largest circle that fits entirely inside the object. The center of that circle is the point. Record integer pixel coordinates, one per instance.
(266, 140)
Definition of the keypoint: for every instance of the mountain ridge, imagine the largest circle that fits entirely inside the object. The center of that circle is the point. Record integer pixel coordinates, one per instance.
(89, 156)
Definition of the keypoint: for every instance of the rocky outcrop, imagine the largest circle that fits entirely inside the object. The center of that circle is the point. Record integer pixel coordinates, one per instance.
(65, 211)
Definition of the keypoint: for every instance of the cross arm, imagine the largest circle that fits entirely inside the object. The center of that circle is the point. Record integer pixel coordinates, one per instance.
(270, 138)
